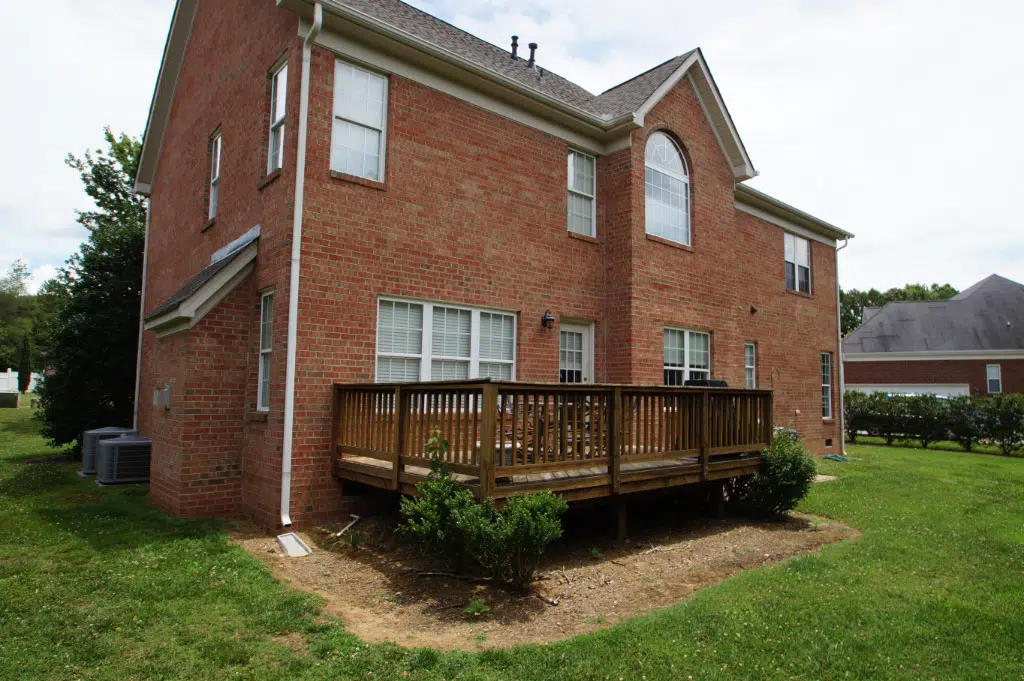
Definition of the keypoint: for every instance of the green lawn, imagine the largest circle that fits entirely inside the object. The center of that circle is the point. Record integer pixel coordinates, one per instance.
(104, 587)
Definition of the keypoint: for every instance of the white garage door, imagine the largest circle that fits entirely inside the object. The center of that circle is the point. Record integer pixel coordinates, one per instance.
(945, 389)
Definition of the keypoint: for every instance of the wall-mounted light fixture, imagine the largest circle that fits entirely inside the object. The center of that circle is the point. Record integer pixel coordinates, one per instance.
(548, 320)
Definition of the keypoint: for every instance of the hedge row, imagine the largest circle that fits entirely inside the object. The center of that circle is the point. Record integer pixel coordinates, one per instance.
(965, 420)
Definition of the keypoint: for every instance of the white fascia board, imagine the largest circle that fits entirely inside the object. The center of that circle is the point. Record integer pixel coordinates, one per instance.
(785, 224)
(766, 207)
(940, 355)
(163, 94)
(190, 311)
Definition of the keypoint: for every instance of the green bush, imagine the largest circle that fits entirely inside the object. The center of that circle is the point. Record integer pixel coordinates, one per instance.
(856, 414)
(784, 478)
(889, 416)
(927, 419)
(964, 421)
(435, 515)
(1003, 418)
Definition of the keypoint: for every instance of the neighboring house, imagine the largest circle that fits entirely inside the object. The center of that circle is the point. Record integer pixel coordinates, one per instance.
(971, 344)
(414, 214)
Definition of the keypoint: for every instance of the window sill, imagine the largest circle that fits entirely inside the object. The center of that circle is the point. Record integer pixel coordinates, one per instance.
(208, 226)
(355, 179)
(583, 237)
(258, 416)
(268, 179)
(829, 421)
(801, 294)
(668, 242)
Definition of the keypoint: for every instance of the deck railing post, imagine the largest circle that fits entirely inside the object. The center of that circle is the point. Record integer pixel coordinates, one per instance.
(488, 440)
(399, 437)
(615, 439)
(769, 419)
(705, 435)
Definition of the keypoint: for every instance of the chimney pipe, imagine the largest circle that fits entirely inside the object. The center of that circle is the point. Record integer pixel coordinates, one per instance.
(533, 49)
(515, 47)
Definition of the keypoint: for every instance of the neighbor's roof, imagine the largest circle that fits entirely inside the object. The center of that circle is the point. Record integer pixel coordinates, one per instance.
(610, 114)
(986, 316)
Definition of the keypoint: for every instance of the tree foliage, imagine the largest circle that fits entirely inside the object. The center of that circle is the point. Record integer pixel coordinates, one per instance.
(24, 319)
(96, 294)
(854, 301)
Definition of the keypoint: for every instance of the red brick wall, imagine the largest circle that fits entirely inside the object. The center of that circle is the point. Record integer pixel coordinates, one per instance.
(970, 372)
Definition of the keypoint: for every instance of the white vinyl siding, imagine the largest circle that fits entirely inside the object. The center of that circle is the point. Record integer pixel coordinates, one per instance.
(216, 146)
(798, 263)
(581, 206)
(360, 112)
(750, 366)
(826, 385)
(266, 345)
(459, 342)
(278, 97)
(687, 356)
(994, 378)
(667, 190)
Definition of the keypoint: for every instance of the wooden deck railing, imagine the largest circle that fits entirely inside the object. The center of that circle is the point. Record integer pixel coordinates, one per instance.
(503, 431)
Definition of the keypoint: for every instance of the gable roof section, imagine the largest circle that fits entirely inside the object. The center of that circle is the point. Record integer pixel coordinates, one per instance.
(613, 112)
(770, 209)
(986, 318)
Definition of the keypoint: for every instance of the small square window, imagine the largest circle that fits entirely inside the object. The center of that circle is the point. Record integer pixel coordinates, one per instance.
(994, 378)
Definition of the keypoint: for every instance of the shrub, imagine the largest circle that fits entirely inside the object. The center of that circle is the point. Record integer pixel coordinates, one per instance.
(856, 414)
(1003, 418)
(889, 416)
(784, 478)
(964, 421)
(433, 517)
(926, 419)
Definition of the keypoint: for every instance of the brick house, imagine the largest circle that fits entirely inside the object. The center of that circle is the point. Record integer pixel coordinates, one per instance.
(972, 344)
(404, 201)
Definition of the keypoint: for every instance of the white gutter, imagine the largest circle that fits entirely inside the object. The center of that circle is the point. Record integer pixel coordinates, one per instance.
(293, 284)
(142, 322)
(839, 354)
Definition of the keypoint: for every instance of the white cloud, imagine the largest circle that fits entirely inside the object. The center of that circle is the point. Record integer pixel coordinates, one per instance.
(40, 275)
(897, 120)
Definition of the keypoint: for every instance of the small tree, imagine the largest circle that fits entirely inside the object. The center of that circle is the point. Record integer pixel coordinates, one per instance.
(964, 420)
(926, 418)
(25, 362)
(1004, 421)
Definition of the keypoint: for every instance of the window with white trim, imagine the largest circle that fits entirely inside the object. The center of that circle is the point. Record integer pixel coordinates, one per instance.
(360, 112)
(459, 342)
(750, 366)
(278, 97)
(582, 205)
(994, 378)
(216, 144)
(667, 190)
(798, 263)
(266, 344)
(826, 385)
(687, 356)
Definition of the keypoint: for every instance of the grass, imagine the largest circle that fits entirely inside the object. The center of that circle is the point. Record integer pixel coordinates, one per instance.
(941, 445)
(95, 584)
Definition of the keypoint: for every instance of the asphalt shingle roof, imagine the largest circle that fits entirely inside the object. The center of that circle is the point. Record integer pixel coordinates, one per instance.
(619, 100)
(986, 316)
(194, 284)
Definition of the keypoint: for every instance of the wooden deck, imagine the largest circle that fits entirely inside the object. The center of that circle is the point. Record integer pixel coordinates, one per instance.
(581, 441)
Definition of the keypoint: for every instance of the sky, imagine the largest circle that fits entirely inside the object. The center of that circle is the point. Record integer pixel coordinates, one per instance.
(898, 121)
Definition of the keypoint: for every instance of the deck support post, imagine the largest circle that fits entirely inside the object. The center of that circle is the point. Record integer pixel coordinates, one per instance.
(399, 437)
(705, 436)
(615, 437)
(487, 439)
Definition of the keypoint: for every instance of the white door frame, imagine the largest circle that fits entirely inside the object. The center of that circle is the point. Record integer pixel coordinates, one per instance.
(587, 330)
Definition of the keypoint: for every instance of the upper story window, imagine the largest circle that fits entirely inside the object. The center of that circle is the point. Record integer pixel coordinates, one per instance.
(360, 113)
(687, 356)
(216, 145)
(581, 193)
(667, 182)
(798, 264)
(266, 345)
(278, 97)
(428, 342)
(750, 365)
(826, 385)
(994, 378)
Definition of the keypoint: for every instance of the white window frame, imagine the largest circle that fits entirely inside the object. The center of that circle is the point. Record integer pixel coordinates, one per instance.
(265, 354)
(998, 378)
(383, 129)
(577, 192)
(684, 178)
(278, 95)
(750, 366)
(826, 386)
(796, 239)
(427, 345)
(687, 369)
(216, 151)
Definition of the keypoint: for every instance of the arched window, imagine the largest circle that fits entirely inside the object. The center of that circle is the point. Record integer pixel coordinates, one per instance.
(668, 190)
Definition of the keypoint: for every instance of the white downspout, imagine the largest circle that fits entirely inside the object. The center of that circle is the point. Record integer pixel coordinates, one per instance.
(293, 284)
(142, 312)
(839, 354)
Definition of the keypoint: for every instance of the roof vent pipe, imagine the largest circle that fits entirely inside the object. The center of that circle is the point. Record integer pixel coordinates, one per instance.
(515, 47)
(533, 50)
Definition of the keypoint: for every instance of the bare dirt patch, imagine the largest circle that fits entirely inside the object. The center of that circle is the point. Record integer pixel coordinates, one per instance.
(377, 587)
